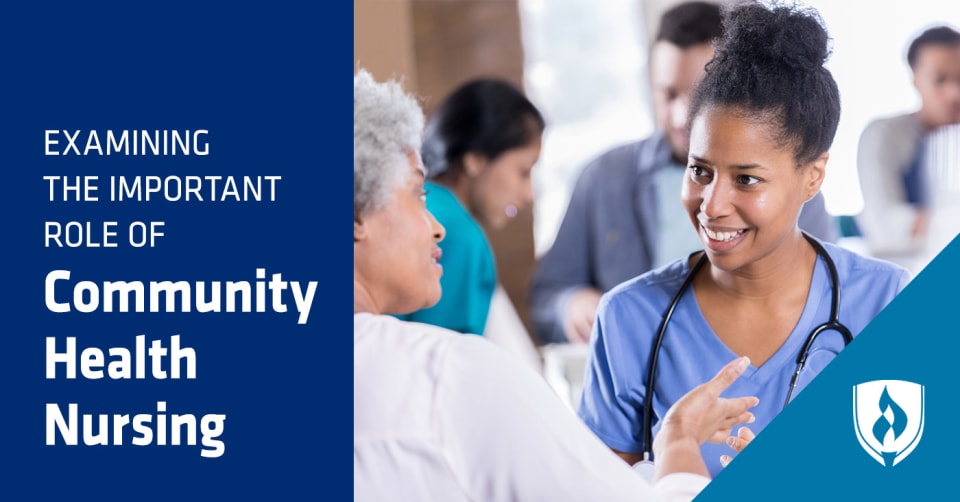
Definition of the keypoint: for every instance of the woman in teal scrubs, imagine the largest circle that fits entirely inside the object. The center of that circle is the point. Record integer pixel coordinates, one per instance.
(479, 149)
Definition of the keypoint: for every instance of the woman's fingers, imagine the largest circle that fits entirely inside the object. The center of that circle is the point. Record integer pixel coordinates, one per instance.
(741, 440)
(745, 418)
(732, 412)
(728, 375)
(720, 436)
(738, 414)
(738, 443)
(742, 403)
(704, 415)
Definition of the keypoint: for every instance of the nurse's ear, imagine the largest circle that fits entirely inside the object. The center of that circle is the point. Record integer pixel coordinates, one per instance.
(813, 174)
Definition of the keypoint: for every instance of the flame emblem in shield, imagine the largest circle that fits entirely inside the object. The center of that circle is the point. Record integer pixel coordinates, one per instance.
(888, 418)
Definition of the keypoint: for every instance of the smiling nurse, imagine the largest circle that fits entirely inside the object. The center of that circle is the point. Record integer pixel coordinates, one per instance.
(761, 123)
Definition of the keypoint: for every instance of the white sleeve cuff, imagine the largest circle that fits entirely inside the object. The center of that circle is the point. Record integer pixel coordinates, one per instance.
(680, 486)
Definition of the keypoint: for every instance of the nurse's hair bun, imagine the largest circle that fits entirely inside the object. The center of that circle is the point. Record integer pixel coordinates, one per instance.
(789, 37)
(768, 64)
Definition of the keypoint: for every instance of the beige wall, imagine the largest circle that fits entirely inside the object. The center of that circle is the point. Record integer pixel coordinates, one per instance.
(383, 40)
(455, 40)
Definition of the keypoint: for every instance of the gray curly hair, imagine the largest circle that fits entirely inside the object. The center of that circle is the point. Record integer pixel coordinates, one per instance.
(387, 126)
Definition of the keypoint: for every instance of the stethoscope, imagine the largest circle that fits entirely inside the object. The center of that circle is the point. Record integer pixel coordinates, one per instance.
(833, 324)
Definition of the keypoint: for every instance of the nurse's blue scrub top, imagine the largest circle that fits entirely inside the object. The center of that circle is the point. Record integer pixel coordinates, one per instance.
(627, 320)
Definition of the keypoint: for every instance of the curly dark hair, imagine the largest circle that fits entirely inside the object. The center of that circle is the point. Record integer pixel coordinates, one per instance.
(768, 65)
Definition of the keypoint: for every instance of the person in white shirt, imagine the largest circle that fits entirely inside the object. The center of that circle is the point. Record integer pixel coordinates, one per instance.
(443, 416)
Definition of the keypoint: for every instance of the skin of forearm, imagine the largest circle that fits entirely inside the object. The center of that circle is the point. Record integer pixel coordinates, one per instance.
(677, 452)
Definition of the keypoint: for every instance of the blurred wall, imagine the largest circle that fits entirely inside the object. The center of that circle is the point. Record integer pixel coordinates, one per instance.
(383, 40)
(436, 45)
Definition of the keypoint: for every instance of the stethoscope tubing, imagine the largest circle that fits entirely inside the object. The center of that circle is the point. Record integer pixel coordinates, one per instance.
(833, 324)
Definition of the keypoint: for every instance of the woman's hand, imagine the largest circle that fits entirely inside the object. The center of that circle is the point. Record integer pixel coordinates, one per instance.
(581, 310)
(701, 415)
(704, 415)
(738, 443)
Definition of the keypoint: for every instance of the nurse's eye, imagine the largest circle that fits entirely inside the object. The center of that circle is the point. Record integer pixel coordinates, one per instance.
(744, 179)
(423, 196)
(699, 174)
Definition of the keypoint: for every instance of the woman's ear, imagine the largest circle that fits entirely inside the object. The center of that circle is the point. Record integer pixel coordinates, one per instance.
(359, 230)
(473, 164)
(814, 174)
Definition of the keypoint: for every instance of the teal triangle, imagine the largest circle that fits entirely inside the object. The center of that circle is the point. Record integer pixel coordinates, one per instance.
(811, 451)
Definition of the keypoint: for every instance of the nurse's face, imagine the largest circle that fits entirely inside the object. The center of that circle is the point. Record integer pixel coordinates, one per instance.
(743, 190)
(395, 248)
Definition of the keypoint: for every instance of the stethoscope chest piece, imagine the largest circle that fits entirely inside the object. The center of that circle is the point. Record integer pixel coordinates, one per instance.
(645, 469)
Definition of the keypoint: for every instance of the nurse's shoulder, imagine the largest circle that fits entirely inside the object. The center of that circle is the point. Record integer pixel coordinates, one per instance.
(867, 275)
(647, 294)
(871, 281)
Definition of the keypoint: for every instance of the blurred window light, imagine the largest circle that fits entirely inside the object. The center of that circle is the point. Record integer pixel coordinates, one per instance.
(870, 41)
(586, 70)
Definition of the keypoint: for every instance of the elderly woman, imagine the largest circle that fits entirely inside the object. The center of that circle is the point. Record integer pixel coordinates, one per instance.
(443, 416)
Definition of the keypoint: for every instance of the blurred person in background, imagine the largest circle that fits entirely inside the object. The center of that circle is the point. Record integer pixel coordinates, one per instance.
(892, 163)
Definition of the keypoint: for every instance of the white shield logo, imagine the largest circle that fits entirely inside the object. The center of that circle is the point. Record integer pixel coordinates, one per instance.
(888, 418)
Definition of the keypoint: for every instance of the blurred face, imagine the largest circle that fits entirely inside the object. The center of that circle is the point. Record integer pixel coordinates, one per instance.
(742, 190)
(936, 75)
(501, 186)
(395, 250)
(674, 72)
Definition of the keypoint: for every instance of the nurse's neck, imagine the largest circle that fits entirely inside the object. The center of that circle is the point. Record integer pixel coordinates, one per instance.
(789, 268)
